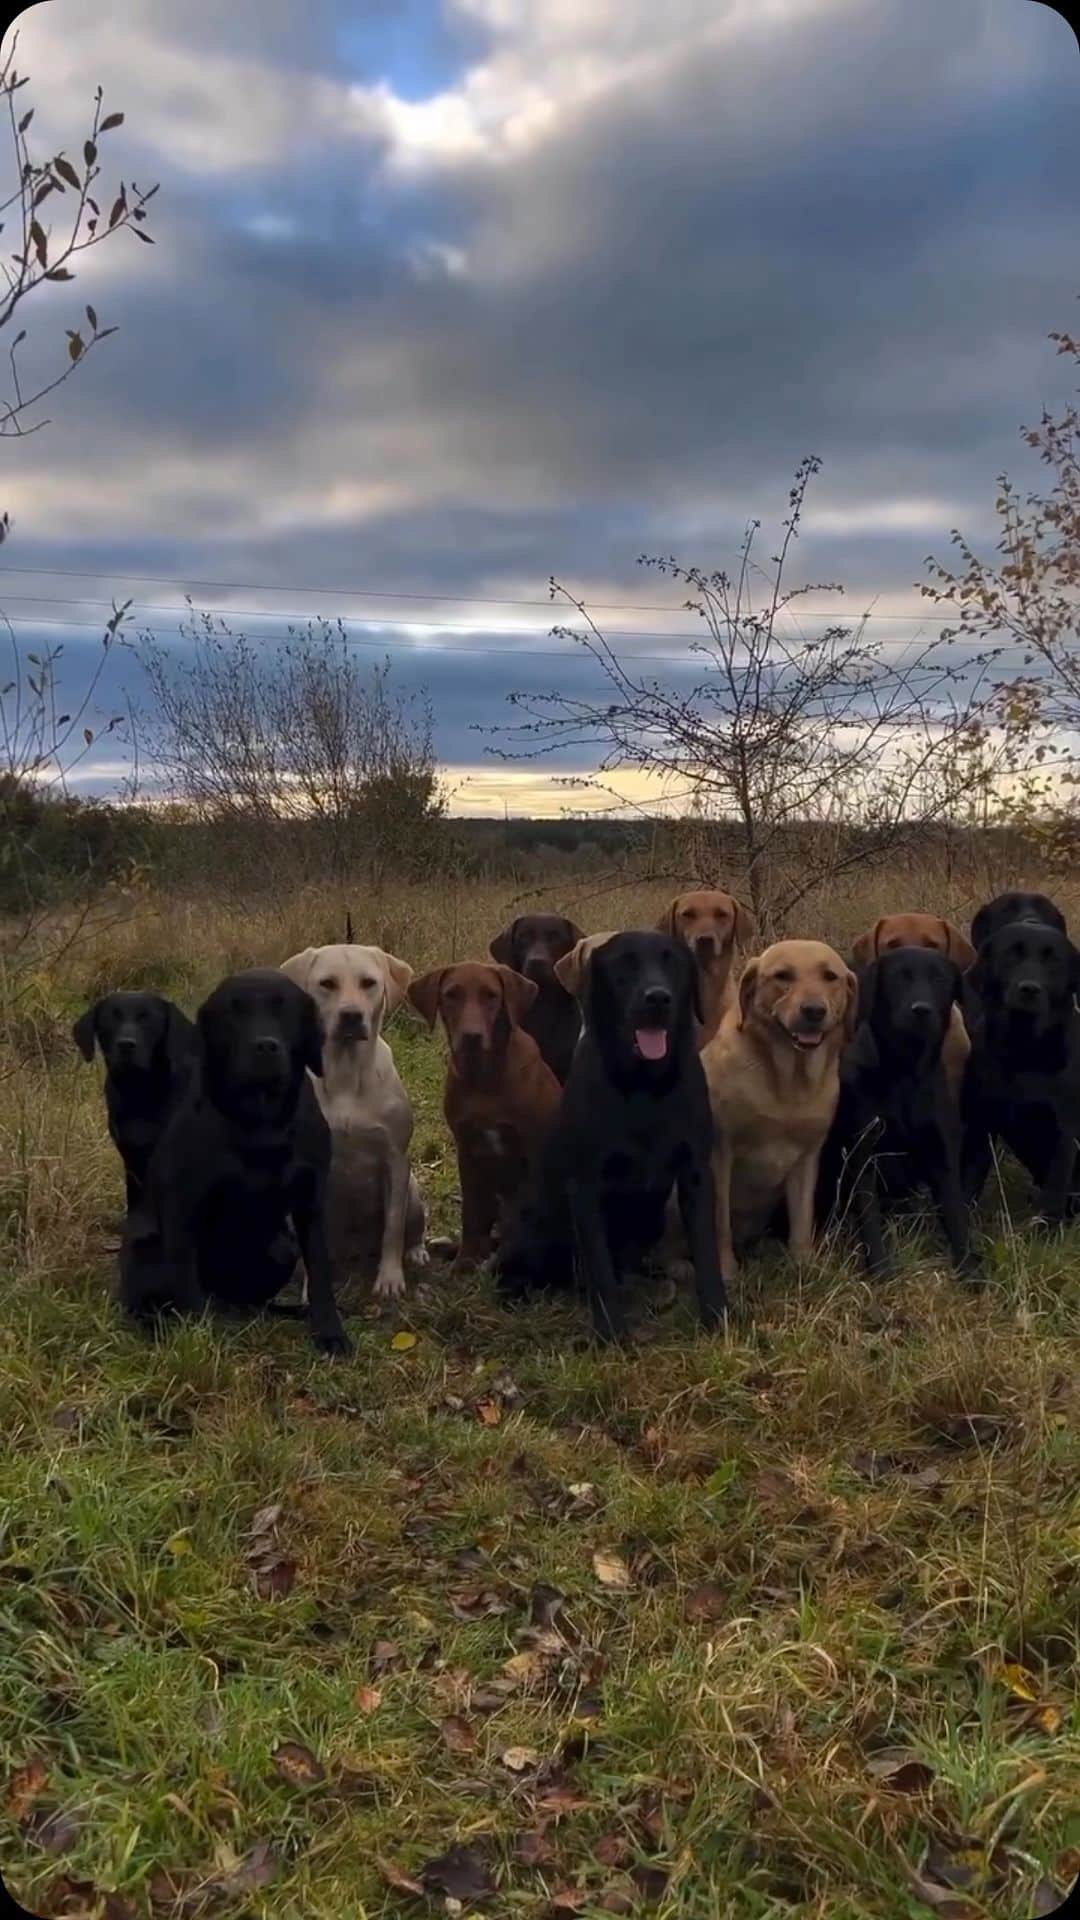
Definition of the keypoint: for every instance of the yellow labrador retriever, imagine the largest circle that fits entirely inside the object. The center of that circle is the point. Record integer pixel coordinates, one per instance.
(711, 923)
(375, 1216)
(773, 1072)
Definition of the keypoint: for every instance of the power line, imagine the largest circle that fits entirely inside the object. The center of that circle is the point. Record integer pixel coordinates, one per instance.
(380, 593)
(406, 626)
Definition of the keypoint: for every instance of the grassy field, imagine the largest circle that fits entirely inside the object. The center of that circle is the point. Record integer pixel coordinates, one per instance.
(779, 1622)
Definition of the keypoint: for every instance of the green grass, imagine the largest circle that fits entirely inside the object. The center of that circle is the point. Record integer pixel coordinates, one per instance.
(838, 1522)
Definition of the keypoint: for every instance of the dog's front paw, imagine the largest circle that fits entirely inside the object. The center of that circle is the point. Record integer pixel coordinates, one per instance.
(335, 1345)
(389, 1283)
(418, 1258)
(680, 1270)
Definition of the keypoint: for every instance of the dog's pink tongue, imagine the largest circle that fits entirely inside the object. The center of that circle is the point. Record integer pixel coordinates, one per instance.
(651, 1042)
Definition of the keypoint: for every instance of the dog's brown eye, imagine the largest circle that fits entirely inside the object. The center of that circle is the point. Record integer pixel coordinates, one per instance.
(690, 913)
(784, 977)
(328, 986)
(831, 977)
(366, 986)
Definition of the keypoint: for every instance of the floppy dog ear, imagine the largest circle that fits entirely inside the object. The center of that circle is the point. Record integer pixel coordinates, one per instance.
(747, 989)
(298, 966)
(501, 948)
(518, 993)
(745, 923)
(398, 976)
(958, 946)
(423, 994)
(84, 1032)
(570, 970)
(864, 948)
(851, 1011)
(666, 922)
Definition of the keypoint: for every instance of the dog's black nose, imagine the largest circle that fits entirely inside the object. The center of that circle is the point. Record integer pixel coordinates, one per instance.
(657, 999)
(269, 1047)
(1028, 989)
(921, 1009)
(352, 1020)
(813, 1012)
(126, 1043)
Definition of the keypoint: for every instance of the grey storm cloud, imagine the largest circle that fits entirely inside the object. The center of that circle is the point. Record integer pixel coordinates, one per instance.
(551, 286)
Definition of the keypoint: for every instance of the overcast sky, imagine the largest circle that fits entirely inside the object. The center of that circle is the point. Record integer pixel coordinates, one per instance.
(449, 295)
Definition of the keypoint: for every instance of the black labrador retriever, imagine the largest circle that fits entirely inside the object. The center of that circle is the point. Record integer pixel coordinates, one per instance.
(148, 1047)
(1008, 908)
(634, 1124)
(245, 1156)
(531, 944)
(1022, 1084)
(897, 1127)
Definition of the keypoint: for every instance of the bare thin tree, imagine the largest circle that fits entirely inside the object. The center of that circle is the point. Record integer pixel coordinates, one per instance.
(256, 735)
(1026, 599)
(812, 751)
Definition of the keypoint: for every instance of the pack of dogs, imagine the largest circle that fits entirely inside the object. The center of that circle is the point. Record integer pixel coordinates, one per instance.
(618, 1101)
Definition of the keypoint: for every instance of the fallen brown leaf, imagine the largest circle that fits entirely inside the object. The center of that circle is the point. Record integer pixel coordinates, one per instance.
(477, 1603)
(611, 1849)
(386, 1656)
(458, 1736)
(559, 1799)
(488, 1412)
(616, 1900)
(706, 1603)
(367, 1699)
(569, 1899)
(297, 1765)
(24, 1786)
(533, 1848)
(275, 1579)
(519, 1759)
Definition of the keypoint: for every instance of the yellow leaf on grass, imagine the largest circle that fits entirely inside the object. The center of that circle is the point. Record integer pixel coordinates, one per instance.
(179, 1545)
(1019, 1681)
(609, 1569)
(404, 1342)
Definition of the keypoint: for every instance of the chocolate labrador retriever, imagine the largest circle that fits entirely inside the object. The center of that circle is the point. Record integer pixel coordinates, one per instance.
(243, 1160)
(634, 1124)
(532, 945)
(499, 1096)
